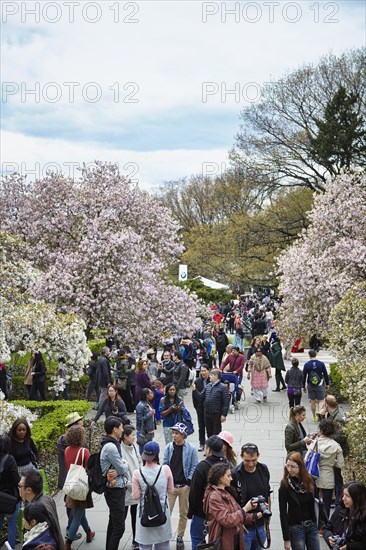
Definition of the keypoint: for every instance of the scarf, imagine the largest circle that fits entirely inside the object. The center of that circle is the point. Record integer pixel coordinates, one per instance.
(296, 484)
(260, 363)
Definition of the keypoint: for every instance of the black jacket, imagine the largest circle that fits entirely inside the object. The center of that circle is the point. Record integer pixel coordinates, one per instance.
(113, 408)
(180, 375)
(337, 523)
(10, 477)
(291, 511)
(216, 398)
(103, 374)
(197, 402)
(198, 485)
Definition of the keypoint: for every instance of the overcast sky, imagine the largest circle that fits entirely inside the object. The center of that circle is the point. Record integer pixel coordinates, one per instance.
(147, 84)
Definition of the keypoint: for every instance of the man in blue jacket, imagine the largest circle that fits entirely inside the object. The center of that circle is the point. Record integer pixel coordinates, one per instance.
(182, 458)
(316, 375)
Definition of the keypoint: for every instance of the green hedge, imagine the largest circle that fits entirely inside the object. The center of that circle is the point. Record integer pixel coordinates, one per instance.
(51, 423)
(335, 383)
(77, 390)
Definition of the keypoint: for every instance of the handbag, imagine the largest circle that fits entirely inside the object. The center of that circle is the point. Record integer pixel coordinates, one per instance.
(214, 545)
(121, 384)
(76, 484)
(311, 460)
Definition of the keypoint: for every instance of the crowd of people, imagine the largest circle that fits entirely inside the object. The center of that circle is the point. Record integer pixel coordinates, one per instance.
(225, 496)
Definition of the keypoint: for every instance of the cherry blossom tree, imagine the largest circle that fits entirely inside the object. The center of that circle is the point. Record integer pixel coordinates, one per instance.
(103, 247)
(28, 324)
(326, 260)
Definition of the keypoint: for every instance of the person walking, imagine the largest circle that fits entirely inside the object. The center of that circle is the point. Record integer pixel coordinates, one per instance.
(276, 360)
(151, 471)
(259, 373)
(250, 479)
(294, 381)
(297, 506)
(215, 398)
(114, 468)
(182, 458)
(225, 517)
(316, 376)
(221, 342)
(132, 456)
(92, 384)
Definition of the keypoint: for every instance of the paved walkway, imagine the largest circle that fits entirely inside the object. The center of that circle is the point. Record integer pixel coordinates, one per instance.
(261, 424)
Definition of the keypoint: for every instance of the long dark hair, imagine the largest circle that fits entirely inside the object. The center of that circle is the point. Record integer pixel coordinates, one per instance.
(38, 359)
(357, 513)
(5, 445)
(166, 399)
(118, 397)
(215, 474)
(13, 429)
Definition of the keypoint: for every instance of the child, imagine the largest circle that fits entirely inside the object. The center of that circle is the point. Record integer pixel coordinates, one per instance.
(158, 394)
(38, 527)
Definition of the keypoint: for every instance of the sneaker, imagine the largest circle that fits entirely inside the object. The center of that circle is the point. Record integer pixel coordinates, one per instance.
(201, 448)
(180, 543)
(277, 389)
(264, 398)
(257, 400)
(135, 545)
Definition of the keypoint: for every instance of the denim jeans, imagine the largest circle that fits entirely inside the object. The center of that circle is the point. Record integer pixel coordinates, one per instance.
(115, 499)
(12, 525)
(77, 517)
(250, 538)
(197, 531)
(304, 537)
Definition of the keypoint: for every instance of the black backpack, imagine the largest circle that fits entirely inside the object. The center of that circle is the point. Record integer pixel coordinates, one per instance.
(314, 378)
(153, 514)
(220, 341)
(97, 481)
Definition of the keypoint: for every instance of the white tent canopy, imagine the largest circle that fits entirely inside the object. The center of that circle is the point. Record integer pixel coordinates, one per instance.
(212, 284)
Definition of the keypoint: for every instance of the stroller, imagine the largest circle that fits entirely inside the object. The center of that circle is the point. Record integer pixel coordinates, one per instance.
(232, 381)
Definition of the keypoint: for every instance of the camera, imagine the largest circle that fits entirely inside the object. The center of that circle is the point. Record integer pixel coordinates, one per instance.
(339, 541)
(262, 506)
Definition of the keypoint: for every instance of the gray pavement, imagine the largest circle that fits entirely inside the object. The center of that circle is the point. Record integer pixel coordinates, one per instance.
(262, 424)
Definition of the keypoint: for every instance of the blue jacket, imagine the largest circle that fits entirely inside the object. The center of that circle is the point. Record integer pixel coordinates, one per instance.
(190, 458)
(319, 367)
(144, 417)
(111, 457)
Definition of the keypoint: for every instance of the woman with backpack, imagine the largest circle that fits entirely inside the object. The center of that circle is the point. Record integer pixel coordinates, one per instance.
(158, 533)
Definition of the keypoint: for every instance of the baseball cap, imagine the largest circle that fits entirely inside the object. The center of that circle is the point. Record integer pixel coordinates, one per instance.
(215, 444)
(180, 427)
(227, 437)
(151, 449)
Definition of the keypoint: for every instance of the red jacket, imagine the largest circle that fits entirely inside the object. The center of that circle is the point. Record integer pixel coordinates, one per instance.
(225, 517)
(236, 363)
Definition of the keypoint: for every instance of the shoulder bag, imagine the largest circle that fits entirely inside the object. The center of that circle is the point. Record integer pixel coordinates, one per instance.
(76, 483)
(311, 460)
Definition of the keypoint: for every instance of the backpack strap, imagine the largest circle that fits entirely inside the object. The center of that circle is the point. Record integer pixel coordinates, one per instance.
(156, 479)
